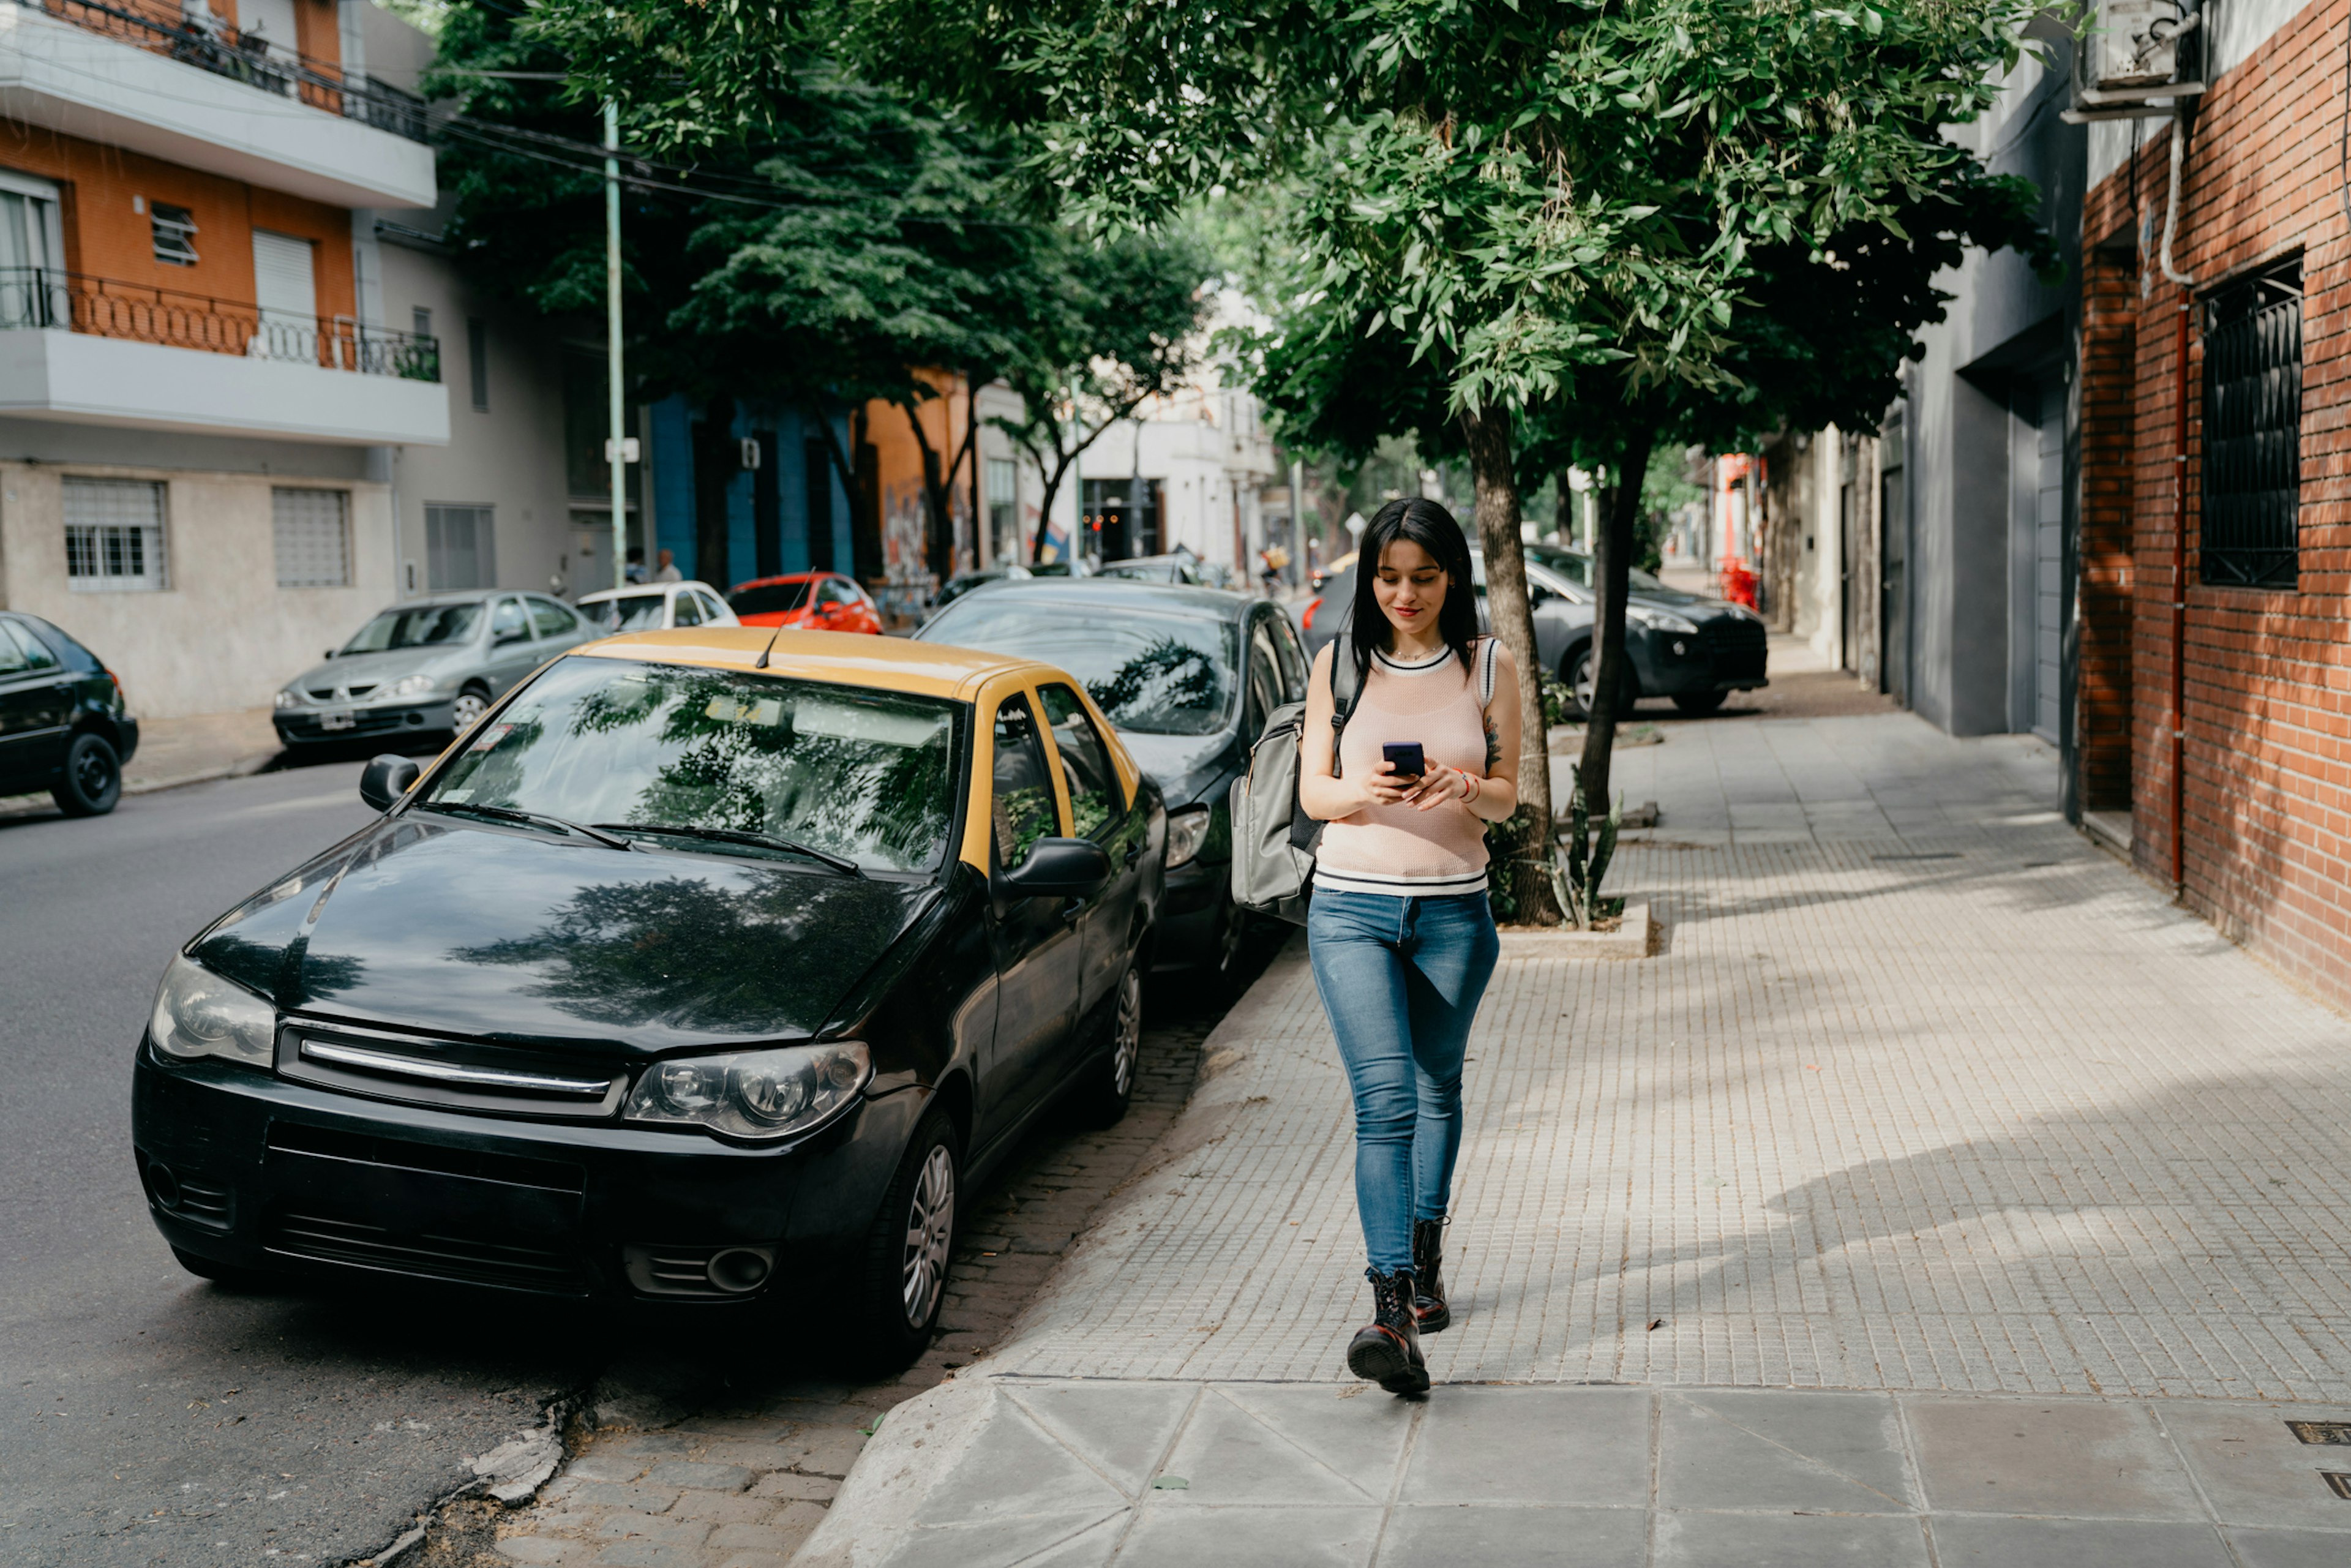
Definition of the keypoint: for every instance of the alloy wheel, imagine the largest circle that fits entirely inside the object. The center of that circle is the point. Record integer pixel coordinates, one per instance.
(930, 1231)
(1127, 1039)
(468, 708)
(1585, 682)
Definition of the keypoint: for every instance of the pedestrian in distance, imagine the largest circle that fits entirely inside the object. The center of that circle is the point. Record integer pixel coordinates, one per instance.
(633, 567)
(666, 569)
(1399, 931)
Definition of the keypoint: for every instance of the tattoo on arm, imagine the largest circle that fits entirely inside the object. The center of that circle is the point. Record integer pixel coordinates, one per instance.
(1493, 744)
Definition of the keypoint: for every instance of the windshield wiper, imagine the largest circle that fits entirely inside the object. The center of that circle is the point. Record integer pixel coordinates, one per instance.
(534, 819)
(842, 863)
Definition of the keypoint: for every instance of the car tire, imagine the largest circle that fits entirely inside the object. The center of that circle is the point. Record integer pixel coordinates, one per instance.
(467, 709)
(1109, 1082)
(902, 1274)
(1699, 702)
(90, 782)
(228, 1276)
(1581, 682)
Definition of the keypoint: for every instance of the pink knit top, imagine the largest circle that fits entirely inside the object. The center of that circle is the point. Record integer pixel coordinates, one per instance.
(1402, 850)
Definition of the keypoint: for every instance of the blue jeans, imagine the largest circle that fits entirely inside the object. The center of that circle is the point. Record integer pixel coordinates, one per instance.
(1401, 980)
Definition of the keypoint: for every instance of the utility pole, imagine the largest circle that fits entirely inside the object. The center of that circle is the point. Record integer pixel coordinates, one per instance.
(616, 449)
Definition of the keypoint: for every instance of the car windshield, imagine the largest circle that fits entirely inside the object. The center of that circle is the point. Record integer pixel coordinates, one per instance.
(868, 776)
(629, 612)
(1161, 674)
(416, 626)
(770, 598)
(1576, 567)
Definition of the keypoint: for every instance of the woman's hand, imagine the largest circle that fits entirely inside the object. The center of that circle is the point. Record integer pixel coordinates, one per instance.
(1386, 786)
(1438, 785)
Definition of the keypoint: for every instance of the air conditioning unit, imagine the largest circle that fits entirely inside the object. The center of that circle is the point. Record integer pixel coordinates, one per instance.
(2135, 44)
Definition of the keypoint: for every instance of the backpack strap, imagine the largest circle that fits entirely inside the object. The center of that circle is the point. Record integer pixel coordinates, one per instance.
(1345, 681)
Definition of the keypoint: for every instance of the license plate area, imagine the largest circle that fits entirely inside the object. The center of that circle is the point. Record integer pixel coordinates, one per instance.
(343, 720)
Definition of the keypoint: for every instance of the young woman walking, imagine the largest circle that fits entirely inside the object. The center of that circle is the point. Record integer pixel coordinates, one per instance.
(1400, 932)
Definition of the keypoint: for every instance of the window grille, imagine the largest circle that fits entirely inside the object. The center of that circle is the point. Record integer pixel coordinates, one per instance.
(2253, 431)
(174, 232)
(114, 534)
(313, 535)
(458, 548)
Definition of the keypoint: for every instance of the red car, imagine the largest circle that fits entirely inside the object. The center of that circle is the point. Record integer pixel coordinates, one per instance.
(811, 600)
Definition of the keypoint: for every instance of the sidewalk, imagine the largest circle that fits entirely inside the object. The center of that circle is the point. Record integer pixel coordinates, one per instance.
(1937, 1194)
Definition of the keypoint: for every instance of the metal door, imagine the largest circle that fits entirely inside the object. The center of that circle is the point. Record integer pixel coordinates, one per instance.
(1894, 587)
(1039, 952)
(2049, 566)
(1099, 810)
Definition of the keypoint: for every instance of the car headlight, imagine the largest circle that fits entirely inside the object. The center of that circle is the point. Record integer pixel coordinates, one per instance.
(410, 685)
(1659, 619)
(287, 699)
(752, 1093)
(197, 1013)
(1188, 830)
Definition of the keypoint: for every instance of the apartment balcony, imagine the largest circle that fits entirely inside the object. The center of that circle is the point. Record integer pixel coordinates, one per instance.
(212, 100)
(89, 350)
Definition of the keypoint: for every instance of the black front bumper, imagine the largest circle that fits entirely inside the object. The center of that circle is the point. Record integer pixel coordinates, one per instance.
(308, 727)
(254, 1171)
(1726, 653)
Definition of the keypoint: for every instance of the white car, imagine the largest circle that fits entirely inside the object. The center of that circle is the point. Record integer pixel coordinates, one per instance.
(654, 607)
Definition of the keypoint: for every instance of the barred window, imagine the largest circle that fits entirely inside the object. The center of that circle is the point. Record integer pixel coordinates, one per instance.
(2252, 430)
(174, 232)
(114, 534)
(314, 537)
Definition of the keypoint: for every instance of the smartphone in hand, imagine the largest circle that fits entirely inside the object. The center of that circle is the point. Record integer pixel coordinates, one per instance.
(1406, 758)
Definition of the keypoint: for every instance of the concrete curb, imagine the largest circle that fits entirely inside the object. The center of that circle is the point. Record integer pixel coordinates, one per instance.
(1635, 938)
(243, 768)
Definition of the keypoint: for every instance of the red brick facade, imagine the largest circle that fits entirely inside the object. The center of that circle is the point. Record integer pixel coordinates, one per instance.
(2266, 826)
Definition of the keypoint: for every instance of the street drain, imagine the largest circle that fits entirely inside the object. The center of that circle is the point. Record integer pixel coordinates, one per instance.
(2337, 1433)
(1935, 855)
(2337, 1480)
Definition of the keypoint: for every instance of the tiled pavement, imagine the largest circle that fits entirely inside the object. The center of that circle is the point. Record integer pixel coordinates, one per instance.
(684, 1468)
(1924, 1099)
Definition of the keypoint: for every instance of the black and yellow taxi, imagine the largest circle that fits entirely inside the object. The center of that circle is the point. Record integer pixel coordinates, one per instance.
(706, 960)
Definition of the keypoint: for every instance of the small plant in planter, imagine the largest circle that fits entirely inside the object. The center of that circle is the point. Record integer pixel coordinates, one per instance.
(1579, 863)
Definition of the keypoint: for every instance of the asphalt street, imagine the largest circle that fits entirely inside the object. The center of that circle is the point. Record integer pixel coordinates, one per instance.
(147, 1417)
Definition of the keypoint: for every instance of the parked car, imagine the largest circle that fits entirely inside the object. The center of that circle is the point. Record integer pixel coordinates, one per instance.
(1187, 675)
(814, 600)
(653, 607)
(427, 668)
(1692, 649)
(64, 725)
(685, 980)
(1178, 566)
(1329, 570)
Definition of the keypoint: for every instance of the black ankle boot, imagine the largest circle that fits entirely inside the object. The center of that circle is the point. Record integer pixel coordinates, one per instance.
(1386, 1350)
(1429, 1276)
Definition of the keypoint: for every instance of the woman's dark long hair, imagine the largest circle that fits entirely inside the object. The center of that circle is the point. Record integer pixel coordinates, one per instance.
(1432, 527)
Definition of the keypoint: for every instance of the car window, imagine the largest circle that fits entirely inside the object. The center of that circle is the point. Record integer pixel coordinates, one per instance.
(1294, 663)
(1022, 806)
(769, 597)
(1160, 674)
(1096, 797)
(710, 606)
(549, 619)
(21, 651)
(1265, 687)
(508, 625)
(688, 611)
(418, 626)
(629, 612)
(624, 743)
(829, 592)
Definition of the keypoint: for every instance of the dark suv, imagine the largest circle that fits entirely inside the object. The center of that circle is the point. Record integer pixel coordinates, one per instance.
(63, 726)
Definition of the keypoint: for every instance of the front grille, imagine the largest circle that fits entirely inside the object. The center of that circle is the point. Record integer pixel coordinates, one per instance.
(466, 1259)
(375, 721)
(1736, 647)
(360, 1148)
(457, 1074)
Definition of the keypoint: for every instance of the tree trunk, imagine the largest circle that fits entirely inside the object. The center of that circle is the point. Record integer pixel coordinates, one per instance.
(937, 501)
(1053, 478)
(1511, 615)
(1612, 546)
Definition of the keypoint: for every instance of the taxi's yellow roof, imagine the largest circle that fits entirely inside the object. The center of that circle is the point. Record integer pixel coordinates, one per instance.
(844, 658)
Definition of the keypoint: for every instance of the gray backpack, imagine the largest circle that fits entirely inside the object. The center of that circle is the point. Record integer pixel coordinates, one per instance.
(1273, 839)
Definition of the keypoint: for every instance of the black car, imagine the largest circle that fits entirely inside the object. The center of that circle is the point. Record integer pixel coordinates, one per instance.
(1189, 675)
(694, 971)
(63, 726)
(1692, 649)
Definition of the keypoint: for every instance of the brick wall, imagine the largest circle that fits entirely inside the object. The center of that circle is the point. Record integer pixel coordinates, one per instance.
(2102, 724)
(2266, 823)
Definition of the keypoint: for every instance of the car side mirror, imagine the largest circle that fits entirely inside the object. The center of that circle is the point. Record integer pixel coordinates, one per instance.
(330, 654)
(386, 778)
(1059, 868)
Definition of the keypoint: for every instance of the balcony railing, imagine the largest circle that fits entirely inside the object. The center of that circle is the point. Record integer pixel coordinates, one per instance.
(37, 298)
(262, 64)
